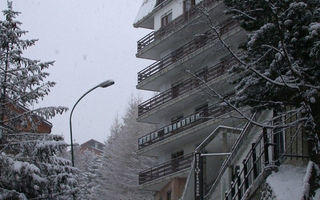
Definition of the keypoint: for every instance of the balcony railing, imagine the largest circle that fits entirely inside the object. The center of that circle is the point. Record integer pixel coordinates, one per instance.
(197, 43)
(174, 24)
(166, 168)
(269, 149)
(183, 87)
(181, 125)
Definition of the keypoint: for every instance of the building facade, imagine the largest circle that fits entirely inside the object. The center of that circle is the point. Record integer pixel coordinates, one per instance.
(188, 60)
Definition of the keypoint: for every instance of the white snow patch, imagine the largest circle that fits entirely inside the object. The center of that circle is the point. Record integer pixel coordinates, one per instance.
(312, 100)
(317, 195)
(314, 29)
(145, 9)
(287, 183)
(17, 166)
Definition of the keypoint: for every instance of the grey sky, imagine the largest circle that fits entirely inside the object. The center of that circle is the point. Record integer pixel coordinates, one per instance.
(91, 41)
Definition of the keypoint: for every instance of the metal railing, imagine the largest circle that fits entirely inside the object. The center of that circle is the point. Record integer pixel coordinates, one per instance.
(270, 149)
(174, 24)
(211, 185)
(183, 51)
(253, 166)
(166, 168)
(181, 125)
(207, 74)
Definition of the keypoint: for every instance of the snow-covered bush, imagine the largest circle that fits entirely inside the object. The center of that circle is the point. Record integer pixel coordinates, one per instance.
(30, 167)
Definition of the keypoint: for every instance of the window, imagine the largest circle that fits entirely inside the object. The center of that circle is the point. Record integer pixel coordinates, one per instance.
(175, 89)
(166, 19)
(187, 5)
(169, 195)
(177, 154)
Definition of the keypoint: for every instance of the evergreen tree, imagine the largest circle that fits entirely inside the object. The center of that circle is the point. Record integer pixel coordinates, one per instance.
(120, 162)
(30, 167)
(281, 66)
(22, 79)
(89, 164)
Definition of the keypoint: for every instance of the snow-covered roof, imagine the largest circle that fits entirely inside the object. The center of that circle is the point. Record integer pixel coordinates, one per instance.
(145, 9)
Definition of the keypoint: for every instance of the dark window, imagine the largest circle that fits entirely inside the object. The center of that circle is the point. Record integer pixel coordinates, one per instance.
(175, 89)
(165, 20)
(187, 5)
(177, 154)
(169, 195)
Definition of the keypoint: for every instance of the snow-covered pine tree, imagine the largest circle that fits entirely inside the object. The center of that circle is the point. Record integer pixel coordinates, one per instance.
(89, 164)
(281, 67)
(120, 163)
(30, 167)
(22, 79)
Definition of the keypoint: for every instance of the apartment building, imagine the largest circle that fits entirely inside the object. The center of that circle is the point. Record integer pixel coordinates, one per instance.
(200, 143)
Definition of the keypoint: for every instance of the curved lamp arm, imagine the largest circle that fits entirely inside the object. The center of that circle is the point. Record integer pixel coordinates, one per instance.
(102, 85)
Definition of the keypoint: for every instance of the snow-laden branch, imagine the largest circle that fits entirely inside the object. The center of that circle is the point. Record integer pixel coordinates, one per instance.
(46, 112)
(243, 14)
(222, 98)
(246, 66)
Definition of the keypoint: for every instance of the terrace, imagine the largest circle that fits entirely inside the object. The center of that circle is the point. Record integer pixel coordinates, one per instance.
(165, 169)
(187, 49)
(174, 25)
(206, 74)
(270, 149)
(181, 125)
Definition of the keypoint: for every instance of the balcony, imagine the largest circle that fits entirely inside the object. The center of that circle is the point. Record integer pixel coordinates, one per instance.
(207, 74)
(269, 149)
(165, 169)
(181, 125)
(182, 52)
(149, 46)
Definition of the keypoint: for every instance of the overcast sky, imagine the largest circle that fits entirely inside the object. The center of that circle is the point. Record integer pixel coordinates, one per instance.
(91, 41)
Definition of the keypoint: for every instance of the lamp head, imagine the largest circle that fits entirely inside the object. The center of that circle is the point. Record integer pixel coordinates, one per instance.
(106, 83)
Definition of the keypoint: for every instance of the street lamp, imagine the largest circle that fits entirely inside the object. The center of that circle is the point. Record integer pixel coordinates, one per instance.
(102, 85)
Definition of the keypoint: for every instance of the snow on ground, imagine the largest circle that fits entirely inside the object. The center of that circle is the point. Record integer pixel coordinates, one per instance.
(287, 183)
(146, 8)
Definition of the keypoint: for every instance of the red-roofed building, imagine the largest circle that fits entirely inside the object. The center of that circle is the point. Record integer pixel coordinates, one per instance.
(93, 146)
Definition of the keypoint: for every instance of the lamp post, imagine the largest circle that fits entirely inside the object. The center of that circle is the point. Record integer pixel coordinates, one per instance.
(102, 85)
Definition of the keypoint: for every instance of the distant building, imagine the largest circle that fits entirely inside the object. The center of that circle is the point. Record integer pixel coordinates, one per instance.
(191, 125)
(92, 146)
(38, 125)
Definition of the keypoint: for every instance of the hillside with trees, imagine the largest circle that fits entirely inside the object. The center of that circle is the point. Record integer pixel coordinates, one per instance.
(120, 164)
